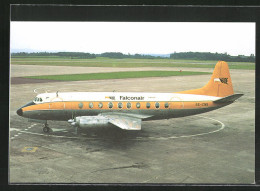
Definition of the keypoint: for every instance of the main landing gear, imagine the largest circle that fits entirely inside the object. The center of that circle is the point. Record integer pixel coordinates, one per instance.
(46, 128)
(76, 130)
(73, 123)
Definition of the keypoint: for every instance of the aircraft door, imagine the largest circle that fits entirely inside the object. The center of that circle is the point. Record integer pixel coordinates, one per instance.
(57, 103)
(69, 111)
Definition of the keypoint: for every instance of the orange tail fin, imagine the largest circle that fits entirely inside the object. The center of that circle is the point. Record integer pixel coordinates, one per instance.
(220, 84)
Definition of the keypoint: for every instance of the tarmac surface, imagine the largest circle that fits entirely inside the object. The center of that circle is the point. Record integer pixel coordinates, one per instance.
(217, 147)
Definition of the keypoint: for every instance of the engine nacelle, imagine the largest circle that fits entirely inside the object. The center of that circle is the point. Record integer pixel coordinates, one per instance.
(89, 121)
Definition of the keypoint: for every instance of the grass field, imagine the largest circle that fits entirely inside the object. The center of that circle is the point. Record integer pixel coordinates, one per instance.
(116, 75)
(126, 62)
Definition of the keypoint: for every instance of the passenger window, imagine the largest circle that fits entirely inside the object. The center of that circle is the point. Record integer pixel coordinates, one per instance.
(120, 105)
(80, 105)
(110, 105)
(166, 105)
(138, 105)
(157, 105)
(128, 105)
(148, 105)
(100, 105)
(91, 105)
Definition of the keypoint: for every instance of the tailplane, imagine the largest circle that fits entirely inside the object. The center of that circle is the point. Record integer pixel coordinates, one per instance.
(228, 99)
(220, 84)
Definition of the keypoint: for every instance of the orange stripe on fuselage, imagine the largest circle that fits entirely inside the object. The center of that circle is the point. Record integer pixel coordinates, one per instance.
(85, 105)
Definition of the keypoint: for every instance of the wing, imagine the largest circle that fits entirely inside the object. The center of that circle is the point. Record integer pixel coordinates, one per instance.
(125, 121)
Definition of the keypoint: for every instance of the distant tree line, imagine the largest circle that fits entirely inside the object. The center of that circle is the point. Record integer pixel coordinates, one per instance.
(71, 55)
(212, 56)
(119, 55)
(76, 55)
(81, 55)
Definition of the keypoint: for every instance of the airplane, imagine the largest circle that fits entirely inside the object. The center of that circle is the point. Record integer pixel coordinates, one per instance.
(127, 110)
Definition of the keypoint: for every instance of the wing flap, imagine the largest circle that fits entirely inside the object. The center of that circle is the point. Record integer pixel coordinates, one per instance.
(125, 122)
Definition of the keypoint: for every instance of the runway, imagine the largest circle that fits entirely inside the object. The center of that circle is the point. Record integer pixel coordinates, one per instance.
(216, 147)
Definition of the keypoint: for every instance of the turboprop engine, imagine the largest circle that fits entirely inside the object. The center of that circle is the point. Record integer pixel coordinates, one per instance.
(89, 121)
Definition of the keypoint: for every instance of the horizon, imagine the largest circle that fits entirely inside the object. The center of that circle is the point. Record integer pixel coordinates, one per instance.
(151, 54)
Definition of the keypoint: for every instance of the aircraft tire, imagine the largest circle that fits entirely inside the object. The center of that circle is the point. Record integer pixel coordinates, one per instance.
(46, 129)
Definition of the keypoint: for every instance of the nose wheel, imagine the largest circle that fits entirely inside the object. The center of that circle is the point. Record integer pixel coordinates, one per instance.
(46, 128)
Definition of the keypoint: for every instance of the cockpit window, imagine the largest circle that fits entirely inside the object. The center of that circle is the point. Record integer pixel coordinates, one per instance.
(37, 99)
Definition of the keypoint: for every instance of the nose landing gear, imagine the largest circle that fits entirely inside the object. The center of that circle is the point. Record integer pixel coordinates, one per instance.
(46, 128)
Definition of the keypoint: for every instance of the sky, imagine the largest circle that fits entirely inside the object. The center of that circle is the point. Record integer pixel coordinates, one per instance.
(133, 37)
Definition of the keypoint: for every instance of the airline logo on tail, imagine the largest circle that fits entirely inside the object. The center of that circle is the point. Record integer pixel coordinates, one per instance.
(222, 80)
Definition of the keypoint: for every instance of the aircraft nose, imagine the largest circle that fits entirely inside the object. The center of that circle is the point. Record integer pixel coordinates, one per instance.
(19, 112)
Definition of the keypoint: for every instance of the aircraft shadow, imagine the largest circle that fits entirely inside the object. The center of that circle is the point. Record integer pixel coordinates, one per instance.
(110, 137)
